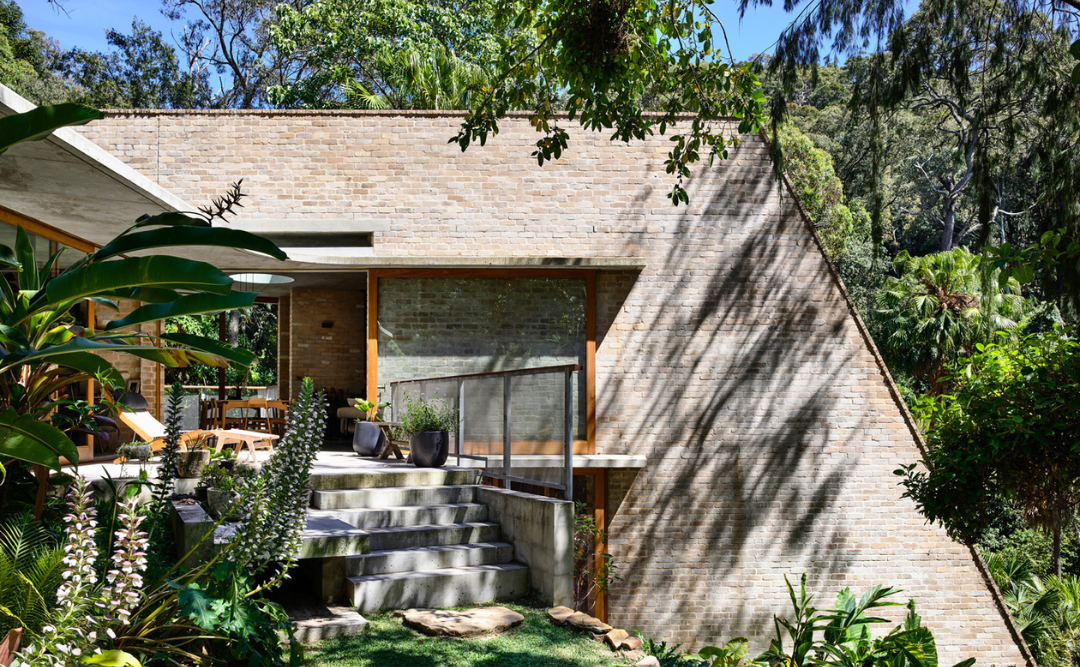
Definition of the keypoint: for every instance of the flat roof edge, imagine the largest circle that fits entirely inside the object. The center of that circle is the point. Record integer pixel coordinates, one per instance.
(368, 262)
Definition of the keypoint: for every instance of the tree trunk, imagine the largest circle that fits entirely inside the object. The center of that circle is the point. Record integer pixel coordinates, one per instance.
(234, 327)
(950, 224)
(1057, 549)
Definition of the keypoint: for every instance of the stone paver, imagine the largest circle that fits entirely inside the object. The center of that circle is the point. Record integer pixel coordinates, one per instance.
(468, 623)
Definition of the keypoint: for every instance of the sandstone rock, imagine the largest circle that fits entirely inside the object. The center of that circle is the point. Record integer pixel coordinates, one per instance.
(648, 661)
(468, 623)
(615, 638)
(630, 644)
(559, 615)
(586, 622)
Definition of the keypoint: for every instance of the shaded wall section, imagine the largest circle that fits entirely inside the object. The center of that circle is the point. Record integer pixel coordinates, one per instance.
(732, 361)
(328, 340)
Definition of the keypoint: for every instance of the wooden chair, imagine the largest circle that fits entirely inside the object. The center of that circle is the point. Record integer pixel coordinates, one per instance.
(225, 421)
(277, 413)
(257, 419)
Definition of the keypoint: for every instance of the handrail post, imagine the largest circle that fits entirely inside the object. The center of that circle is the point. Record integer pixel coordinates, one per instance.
(506, 428)
(569, 434)
(460, 418)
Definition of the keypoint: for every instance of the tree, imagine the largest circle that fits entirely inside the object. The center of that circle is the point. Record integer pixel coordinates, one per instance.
(143, 73)
(1008, 430)
(358, 53)
(230, 39)
(257, 333)
(28, 58)
(938, 309)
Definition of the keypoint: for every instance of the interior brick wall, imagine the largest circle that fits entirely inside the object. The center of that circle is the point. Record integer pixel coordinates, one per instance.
(732, 361)
(333, 356)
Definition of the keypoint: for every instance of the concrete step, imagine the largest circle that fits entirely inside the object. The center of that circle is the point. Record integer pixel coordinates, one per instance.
(392, 497)
(407, 537)
(326, 622)
(436, 589)
(326, 537)
(393, 517)
(429, 558)
(403, 476)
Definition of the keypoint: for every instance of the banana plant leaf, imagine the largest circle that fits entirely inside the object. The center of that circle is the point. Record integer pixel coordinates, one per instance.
(145, 294)
(157, 271)
(7, 258)
(238, 356)
(39, 123)
(170, 357)
(24, 252)
(168, 237)
(91, 364)
(24, 438)
(170, 218)
(191, 304)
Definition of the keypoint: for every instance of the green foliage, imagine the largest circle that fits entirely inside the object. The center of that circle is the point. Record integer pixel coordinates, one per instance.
(257, 332)
(1007, 431)
(423, 415)
(939, 308)
(1046, 608)
(371, 409)
(841, 637)
(588, 579)
(235, 478)
(397, 53)
(598, 60)
(728, 655)
(31, 563)
(822, 195)
(667, 656)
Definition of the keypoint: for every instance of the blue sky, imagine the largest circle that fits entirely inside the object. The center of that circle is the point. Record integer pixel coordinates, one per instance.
(87, 20)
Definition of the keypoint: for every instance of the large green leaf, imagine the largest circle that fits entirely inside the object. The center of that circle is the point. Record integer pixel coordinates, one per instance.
(157, 271)
(191, 304)
(24, 252)
(236, 355)
(113, 658)
(92, 364)
(27, 439)
(167, 356)
(166, 237)
(170, 218)
(41, 122)
(7, 257)
(146, 295)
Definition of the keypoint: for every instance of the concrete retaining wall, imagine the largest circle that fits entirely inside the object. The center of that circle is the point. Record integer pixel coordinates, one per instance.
(542, 532)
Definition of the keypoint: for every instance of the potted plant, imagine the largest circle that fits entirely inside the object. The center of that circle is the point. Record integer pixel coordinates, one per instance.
(136, 451)
(224, 487)
(224, 457)
(189, 464)
(428, 424)
(368, 439)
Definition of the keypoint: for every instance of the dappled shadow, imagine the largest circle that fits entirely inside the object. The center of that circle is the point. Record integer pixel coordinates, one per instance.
(737, 336)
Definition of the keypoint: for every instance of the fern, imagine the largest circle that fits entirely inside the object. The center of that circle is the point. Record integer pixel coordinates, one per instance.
(31, 566)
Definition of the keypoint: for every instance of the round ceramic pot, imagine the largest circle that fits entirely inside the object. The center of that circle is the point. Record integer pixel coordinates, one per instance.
(223, 503)
(189, 465)
(429, 449)
(368, 439)
(137, 452)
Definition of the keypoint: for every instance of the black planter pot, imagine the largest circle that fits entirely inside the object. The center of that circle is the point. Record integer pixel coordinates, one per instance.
(368, 439)
(429, 449)
(200, 494)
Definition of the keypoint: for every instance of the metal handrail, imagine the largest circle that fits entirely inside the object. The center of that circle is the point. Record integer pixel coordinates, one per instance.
(516, 371)
(568, 427)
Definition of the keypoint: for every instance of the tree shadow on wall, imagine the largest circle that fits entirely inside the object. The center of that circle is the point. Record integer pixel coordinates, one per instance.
(744, 363)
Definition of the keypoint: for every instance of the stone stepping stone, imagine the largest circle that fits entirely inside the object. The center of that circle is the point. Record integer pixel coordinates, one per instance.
(560, 615)
(468, 623)
(583, 621)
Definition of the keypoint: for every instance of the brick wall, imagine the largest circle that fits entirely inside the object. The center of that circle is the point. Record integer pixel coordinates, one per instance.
(454, 326)
(333, 356)
(732, 360)
(284, 342)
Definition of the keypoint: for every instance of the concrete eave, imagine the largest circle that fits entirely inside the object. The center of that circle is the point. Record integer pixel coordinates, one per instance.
(67, 181)
(605, 461)
(363, 262)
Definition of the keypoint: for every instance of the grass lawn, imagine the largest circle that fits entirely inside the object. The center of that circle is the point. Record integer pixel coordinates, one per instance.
(535, 643)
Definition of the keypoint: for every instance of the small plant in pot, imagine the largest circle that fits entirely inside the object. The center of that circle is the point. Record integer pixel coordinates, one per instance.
(368, 439)
(189, 463)
(428, 424)
(224, 457)
(224, 486)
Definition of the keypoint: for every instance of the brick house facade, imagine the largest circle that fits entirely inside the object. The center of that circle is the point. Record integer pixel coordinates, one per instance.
(733, 360)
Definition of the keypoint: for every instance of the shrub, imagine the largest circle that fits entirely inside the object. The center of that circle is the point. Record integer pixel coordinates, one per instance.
(422, 416)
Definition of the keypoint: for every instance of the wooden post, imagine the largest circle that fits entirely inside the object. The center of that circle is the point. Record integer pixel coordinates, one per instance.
(600, 504)
(223, 336)
(373, 337)
(590, 361)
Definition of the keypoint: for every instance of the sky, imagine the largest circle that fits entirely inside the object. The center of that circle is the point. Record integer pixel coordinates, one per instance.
(86, 21)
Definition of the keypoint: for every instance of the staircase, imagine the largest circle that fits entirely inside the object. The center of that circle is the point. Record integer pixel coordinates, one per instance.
(428, 543)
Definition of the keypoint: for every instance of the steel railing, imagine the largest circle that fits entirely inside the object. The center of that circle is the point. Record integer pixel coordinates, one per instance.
(423, 388)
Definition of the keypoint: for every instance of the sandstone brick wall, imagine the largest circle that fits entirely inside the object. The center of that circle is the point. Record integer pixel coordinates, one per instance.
(284, 348)
(731, 360)
(334, 356)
